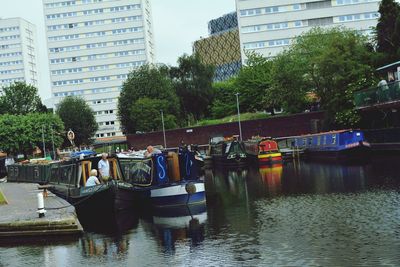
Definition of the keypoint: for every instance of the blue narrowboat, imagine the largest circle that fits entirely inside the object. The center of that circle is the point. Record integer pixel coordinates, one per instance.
(343, 144)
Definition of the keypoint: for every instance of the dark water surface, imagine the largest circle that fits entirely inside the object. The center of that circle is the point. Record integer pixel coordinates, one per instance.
(298, 214)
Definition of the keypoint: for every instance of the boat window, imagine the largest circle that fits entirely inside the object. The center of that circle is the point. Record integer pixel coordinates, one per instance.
(305, 141)
(318, 140)
(333, 139)
(310, 141)
(324, 139)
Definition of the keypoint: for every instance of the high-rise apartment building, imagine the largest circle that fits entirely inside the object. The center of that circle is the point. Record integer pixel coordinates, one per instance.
(17, 52)
(92, 46)
(267, 27)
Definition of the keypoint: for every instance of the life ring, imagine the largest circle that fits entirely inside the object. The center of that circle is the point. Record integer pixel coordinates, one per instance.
(70, 135)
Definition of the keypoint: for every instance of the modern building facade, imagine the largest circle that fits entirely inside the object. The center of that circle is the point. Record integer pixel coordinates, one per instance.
(17, 52)
(92, 46)
(222, 48)
(267, 27)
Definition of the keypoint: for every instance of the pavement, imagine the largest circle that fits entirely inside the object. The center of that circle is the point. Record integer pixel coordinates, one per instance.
(19, 217)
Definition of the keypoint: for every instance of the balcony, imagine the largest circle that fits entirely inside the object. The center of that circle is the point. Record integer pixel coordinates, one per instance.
(382, 96)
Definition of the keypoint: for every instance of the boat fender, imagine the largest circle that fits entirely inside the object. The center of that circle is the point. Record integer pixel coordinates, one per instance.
(190, 188)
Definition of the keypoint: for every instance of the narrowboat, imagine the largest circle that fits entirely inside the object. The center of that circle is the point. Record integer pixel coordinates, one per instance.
(288, 149)
(163, 181)
(227, 152)
(263, 151)
(342, 144)
(67, 179)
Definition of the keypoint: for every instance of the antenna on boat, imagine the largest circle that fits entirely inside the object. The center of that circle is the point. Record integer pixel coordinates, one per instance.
(163, 129)
(238, 110)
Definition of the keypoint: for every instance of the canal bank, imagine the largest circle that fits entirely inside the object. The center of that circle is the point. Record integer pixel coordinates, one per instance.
(19, 217)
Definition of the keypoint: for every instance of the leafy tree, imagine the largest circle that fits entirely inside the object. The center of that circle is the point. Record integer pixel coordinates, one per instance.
(146, 115)
(224, 103)
(20, 98)
(253, 82)
(151, 82)
(77, 116)
(335, 62)
(388, 31)
(288, 86)
(193, 82)
(31, 129)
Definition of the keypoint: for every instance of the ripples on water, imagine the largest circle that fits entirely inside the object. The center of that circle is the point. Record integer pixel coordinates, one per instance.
(303, 214)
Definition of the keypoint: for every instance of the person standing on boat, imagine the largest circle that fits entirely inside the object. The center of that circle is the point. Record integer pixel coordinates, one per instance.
(93, 180)
(104, 168)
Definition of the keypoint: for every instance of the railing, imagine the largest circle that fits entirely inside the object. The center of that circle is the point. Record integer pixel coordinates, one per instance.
(378, 95)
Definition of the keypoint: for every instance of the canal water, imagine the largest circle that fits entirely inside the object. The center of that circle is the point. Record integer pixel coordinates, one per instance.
(298, 214)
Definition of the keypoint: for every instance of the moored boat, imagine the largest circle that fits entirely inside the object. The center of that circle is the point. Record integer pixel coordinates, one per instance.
(165, 180)
(342, 144)
(263, 150)
(68, 180)
(227, 152)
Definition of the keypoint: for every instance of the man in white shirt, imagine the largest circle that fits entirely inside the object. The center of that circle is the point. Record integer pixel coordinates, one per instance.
(104, 168)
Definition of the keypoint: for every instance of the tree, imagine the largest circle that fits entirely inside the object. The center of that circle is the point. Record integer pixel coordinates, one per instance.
(334, 62)
(253, 82)
(288, 86)
(145, 113)
(193, 83)
(388, 31)
(224, 103)
(77, 116)
(151, 82)
(31, 129)
(20, 98)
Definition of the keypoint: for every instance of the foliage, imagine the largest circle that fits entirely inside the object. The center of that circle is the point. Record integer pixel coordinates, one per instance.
(151, 82)
(253, 82)
(288, 88)
(30, 128)
(77, 116)
(234, 118)
(335, 62)
(146, 115)
(388, 31)
(193, 83)
(20, 98)
(224, 103)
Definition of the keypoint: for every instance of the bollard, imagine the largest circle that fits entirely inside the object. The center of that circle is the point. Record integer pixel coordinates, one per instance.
(41, 209)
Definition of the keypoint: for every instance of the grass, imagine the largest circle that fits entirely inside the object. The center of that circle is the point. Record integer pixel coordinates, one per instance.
(233, 118)
(3, 200)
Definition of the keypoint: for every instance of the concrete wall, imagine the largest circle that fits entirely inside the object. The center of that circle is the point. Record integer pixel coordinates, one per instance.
(275, 127)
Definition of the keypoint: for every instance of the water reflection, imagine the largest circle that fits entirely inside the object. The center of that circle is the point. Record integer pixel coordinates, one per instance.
(183, 225)
(94, 245)
(296, 214)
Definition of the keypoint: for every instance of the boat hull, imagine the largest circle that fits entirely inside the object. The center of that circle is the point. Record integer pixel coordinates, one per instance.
(180, 194)
(222, 161)
(360, 152)
(100, 199)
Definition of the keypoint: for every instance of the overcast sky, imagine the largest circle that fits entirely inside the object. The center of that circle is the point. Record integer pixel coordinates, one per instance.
(177, 24)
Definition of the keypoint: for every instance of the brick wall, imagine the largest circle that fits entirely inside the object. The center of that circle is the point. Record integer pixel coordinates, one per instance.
(276, 127)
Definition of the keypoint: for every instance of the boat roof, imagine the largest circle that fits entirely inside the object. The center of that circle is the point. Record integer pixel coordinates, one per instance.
(394, 64)
(321, 133)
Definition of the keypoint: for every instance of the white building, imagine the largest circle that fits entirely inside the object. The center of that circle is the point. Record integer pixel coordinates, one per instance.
(17, 52)
(92, 46)
(268, 26)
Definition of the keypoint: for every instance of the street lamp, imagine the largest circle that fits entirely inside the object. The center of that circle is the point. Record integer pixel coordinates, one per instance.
(163, 128)
(238, 110)
(44, 144)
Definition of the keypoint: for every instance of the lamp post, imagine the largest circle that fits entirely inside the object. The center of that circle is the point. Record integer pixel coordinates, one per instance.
(238, 110)
(44, 144)
(163, 129)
